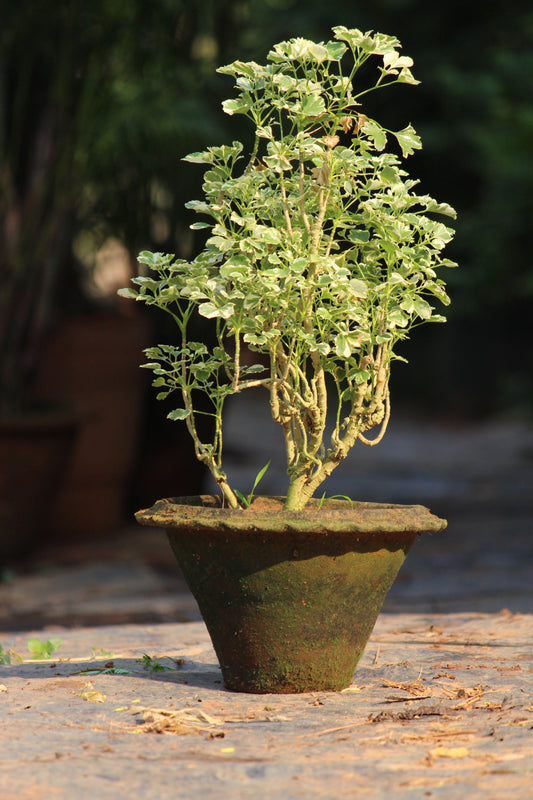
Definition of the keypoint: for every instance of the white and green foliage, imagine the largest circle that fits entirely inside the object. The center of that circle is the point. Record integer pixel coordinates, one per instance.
(321, 256)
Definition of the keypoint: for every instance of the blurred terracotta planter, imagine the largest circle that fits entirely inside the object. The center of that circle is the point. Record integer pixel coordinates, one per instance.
(92, 362)
(289, 598)
(35, 452)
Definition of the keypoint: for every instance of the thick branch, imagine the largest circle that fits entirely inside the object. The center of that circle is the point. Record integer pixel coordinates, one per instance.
(384, 424)
(285, 205)
(302, 198)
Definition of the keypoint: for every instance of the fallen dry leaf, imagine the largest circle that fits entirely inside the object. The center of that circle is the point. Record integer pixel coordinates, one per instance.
(91, 695)
(411, 713)
(472, 695)
(449, 752)
(15, 658)
(356, 688)
(179, 722)
(416, 688)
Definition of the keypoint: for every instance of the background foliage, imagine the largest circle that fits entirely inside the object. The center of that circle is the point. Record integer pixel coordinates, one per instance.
(119, 90)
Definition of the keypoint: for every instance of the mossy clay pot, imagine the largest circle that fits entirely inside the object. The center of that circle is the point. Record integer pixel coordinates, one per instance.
(289, 598)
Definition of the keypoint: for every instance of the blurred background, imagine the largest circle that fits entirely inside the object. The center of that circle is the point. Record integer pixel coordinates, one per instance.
(98, 103)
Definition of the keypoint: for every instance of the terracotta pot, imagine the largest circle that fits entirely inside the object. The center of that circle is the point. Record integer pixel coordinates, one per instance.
(35, 451)
(92, 361)
(289, 598)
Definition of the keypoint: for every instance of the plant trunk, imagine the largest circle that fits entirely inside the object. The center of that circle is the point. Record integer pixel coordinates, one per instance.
(298, 494)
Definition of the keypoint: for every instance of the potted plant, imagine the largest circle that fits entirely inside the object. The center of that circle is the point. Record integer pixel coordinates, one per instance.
(321, 257)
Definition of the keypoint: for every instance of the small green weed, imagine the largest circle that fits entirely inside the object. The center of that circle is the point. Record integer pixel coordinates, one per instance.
(101, 653)
(103, 671)
(5, 656)
(246, 500)
(325, 499)
(37, 649)
(150, 663)
(40, 649)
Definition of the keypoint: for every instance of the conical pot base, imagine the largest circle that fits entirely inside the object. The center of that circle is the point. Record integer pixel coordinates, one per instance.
(289, 598)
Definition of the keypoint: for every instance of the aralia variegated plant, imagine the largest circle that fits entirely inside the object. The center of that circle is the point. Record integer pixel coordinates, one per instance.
(321, 257)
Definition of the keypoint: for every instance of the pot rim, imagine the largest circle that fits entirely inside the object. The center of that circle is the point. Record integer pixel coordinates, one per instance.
(205, 513)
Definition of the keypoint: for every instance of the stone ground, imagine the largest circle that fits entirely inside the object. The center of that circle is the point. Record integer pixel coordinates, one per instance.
(441, 707)
(442, 701)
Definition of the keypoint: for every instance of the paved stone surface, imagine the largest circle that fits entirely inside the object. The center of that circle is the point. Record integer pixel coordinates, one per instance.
(441, 706)
(442, 701)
